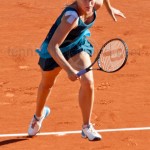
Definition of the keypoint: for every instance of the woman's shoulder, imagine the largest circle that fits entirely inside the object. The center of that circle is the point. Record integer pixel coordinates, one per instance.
(71, 11)
(98, 4)
(71, 14)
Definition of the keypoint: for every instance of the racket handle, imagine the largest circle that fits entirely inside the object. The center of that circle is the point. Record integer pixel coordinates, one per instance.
(81, 72)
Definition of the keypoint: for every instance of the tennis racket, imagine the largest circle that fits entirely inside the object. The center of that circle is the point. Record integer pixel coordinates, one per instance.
(111, 57)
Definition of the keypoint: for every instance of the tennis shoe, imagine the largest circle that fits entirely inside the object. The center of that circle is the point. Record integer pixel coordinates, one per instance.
(36, 124)
(89, 132)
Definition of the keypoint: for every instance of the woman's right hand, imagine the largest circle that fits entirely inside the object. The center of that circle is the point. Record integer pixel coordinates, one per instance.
(72, 75)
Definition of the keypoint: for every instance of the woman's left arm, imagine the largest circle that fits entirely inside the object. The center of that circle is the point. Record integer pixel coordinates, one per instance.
(113, 11)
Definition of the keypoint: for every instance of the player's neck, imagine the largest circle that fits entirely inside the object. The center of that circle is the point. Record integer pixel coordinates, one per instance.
(82, 13)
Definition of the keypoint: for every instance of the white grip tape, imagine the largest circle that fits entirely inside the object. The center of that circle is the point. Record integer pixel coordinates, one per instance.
(72, 16)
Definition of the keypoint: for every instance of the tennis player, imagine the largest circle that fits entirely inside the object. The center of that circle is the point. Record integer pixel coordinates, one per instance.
(66, 43)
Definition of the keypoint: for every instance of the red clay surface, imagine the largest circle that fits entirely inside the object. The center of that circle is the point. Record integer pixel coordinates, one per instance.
(122, 99)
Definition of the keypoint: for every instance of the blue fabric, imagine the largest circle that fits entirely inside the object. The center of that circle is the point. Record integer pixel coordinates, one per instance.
(77, 37)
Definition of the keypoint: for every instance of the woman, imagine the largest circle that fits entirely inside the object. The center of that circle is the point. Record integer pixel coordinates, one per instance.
(65, 43)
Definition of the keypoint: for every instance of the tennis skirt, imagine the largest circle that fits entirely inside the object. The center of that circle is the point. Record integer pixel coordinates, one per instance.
(48, 64)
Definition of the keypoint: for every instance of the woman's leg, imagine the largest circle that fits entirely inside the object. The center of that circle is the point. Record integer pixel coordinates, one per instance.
(86, 94)
(46, 84)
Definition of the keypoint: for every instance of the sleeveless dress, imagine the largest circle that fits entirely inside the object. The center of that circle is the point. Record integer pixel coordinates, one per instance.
(74, 43)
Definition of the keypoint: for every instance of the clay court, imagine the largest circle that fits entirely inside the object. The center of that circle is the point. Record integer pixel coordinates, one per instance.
(122, 99)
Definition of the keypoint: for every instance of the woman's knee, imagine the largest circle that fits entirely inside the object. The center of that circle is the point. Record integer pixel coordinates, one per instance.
(87, 83)
(46, 84)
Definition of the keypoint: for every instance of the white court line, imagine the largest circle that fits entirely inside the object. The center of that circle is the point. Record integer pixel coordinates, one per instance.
(76, 132)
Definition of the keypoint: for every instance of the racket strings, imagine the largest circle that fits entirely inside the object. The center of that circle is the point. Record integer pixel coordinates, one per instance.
(113, 56)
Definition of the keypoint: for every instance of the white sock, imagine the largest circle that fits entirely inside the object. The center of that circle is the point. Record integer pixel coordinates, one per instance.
(85, 126)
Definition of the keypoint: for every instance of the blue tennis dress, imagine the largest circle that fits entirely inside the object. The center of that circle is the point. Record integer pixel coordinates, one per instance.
(74, 43)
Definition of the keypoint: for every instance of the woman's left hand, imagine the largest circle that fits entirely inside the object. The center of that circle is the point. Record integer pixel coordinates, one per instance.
(114, 12)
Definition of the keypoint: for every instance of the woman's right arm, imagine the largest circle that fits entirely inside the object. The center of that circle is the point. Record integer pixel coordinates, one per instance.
(53, 48)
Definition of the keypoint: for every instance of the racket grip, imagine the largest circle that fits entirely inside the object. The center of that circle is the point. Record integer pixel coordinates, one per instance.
(81, 72)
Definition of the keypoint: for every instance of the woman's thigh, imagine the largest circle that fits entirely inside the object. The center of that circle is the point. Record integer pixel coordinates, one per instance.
(81, 61)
